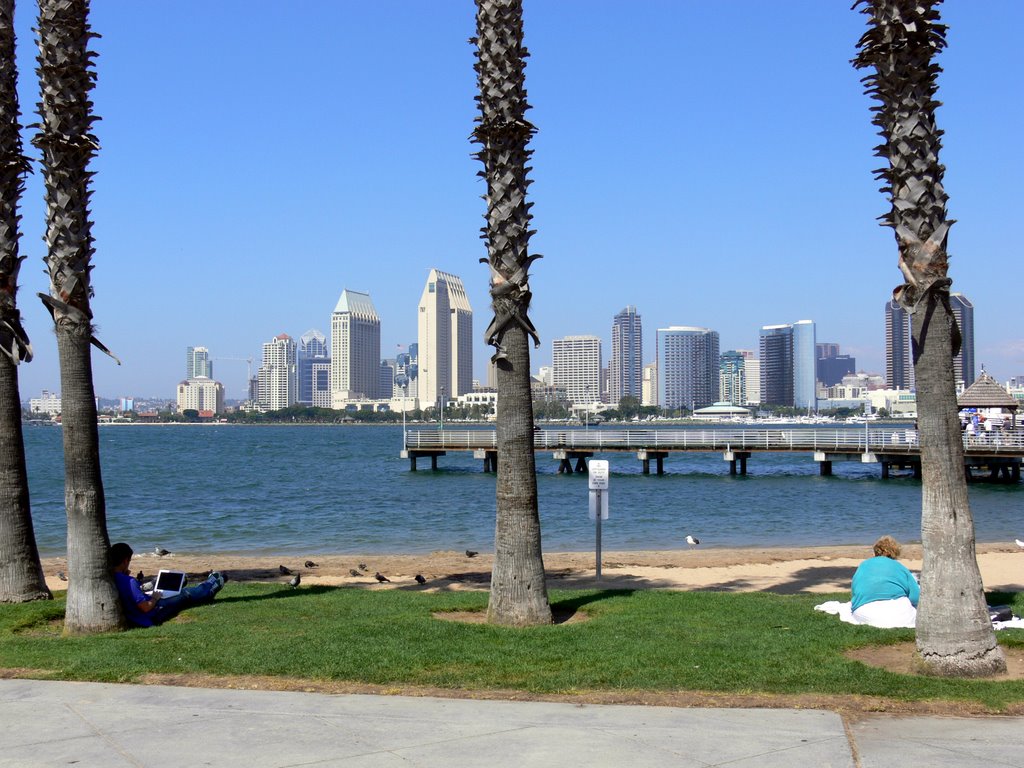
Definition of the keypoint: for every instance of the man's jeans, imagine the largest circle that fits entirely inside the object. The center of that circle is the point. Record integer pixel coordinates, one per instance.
(169, 607)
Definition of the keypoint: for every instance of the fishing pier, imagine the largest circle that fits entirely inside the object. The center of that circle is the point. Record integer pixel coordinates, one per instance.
(992, 456)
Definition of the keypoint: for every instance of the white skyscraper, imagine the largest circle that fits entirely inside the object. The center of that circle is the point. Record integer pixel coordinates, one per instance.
(355, 349)
(445, 339)
(576, 368)
(279, 374)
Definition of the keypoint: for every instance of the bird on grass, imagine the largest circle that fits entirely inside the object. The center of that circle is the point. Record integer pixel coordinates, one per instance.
(364, 567)
(693, 542)
(354, 572)
(160, 552)
(311, 564)
(61, 576)
(471, 553)
(1019, 543)
(419, 579)
(296, 580)
(381, 577)
(284, 571)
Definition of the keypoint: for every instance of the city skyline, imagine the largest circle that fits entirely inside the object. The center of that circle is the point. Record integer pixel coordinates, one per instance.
(639, 209)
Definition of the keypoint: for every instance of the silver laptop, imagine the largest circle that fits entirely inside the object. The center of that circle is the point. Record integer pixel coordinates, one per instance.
(169, 583)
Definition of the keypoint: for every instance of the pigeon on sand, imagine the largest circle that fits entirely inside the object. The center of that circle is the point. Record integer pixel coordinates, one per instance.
(311, 564)
(471, 553)
(419, 579)
(354, 572)
(284, 571)
(364, 567)
(381, 577)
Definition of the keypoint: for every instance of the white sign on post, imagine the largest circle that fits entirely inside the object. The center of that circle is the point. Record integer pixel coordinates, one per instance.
(598, 469)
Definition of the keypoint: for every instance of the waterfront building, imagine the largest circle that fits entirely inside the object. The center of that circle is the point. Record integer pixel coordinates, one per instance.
(444, 338)
(48, 403)
(126, 404)
(899, 365)
(625, 370)
(649, 389)
(314, 370)
(544, 374)
(963, 362)
(751, 376)
(355, 349)
(198, 363)
(732, 379)
(278, 377)
(789, 364)
(687, 367)
(201, 394)
(576, 368)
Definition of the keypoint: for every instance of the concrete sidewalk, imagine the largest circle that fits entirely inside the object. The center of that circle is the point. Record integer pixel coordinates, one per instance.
(92, 724)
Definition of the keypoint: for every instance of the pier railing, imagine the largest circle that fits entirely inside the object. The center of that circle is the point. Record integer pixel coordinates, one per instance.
(851, 440)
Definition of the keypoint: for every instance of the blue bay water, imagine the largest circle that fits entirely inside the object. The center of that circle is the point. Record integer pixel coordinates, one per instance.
(344, 489)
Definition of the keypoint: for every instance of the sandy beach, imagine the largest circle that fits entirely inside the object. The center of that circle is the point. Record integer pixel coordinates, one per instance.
(781, 570)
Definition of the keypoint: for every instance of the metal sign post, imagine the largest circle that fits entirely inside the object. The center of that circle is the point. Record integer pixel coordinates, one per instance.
(598, 471)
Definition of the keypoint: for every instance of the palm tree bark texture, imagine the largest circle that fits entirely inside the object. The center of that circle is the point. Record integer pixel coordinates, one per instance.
(67, 145)
(954, 633)
(21, 573)
(518, 594)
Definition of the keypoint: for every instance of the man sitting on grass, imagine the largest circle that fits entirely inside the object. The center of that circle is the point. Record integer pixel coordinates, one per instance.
(144, 610)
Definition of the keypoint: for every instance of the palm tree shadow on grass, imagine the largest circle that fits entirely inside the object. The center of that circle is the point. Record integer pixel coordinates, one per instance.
(284, 591)
(564, 610)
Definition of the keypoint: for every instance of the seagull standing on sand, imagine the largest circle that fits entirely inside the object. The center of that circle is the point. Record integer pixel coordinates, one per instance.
(1019, 543)
(160, 552)
(692, 541)
(296, 580)
(381, 577)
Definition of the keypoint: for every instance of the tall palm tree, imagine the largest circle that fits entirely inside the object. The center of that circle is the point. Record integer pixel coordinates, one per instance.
(21, 573)
(954, 634)
(519, 594)
(67, 145)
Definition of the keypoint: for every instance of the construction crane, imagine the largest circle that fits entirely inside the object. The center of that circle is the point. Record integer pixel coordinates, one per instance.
(248, 375)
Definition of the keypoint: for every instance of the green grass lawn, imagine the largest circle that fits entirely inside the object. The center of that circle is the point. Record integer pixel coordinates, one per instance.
(633, 641)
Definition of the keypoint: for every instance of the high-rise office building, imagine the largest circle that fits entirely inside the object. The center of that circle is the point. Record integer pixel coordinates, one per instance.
(314, 370)
(444, 339)
(388, 377)
(198, 363)
(732, 378)
(279, 374)
(789, 364)
(650, 384)
(963, 363)
(625, 370)
(899, 365)
(832, 366)
(688, 367)
(576, 368)
(355, 349)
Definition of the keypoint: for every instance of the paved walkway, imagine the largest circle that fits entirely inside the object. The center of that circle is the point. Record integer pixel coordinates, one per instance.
(93, 724)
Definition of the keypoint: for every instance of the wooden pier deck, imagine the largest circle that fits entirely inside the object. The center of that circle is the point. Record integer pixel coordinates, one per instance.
(988, 456)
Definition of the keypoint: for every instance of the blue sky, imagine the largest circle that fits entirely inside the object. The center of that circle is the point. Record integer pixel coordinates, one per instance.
(710, 163)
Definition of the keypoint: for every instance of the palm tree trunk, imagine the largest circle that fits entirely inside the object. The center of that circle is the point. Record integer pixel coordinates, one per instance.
(21, 573)
(954, 634)
(67, 145)
(518, 590)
